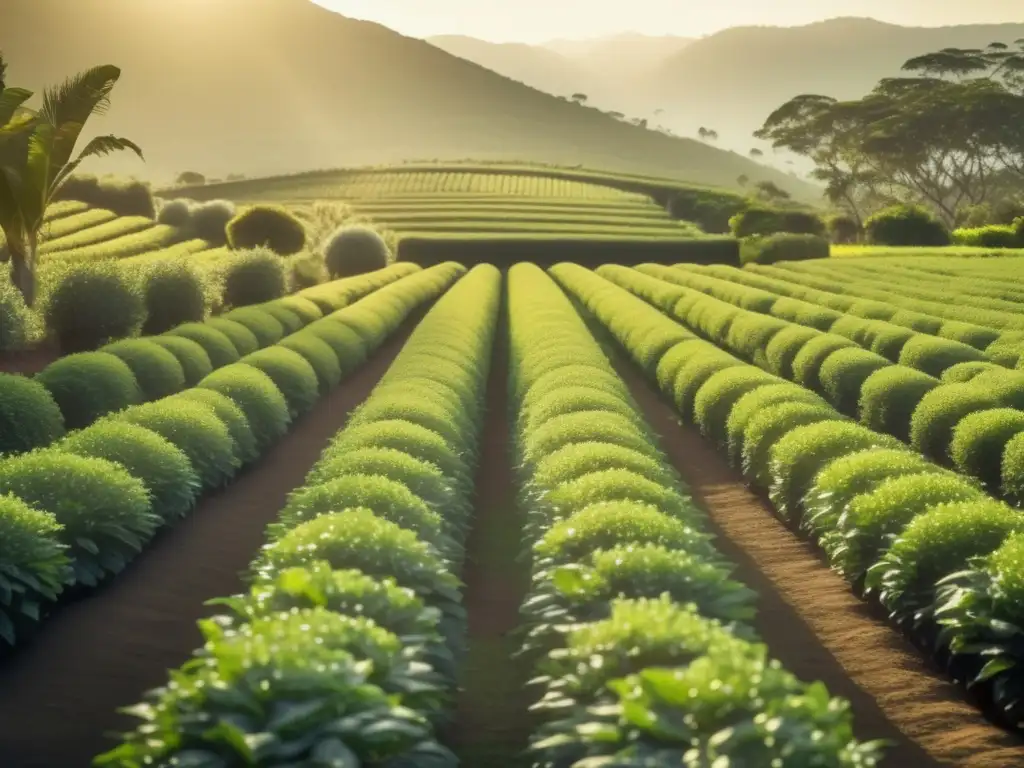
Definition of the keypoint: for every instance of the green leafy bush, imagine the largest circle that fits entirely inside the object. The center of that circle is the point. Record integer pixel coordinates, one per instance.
(843, 229)
(307, 310)
(575, 460)
(765, 428)
(751, 403)
(14, 321)
(905, 225)
(934, 545)
(772, 249)
(218, 346)
(289, 320)
(935, 418)
(889, 397)
(610, 524)
(1007, 386)
(33, 565)
(242, 339)
(331, 668)
(720, 393)
(319, 355)
(413, 439)
(611, 485)
(88, 385)
(355, 250)
(163, 468)
(91, 304)
(961, 373)
(267, 226)
(293, 376)
(571, 399)
(175, 213)
(761, 220)
(156, 370)
(1012, 482)
(29, 416)
(253, 277)
(209, 221)
(844, 373)
(875, 519)
(934, 355)
(453, 425)
(195, 430)
(194, 360)
(784, 347)
(798, 456)
(586, 426)
(173, 294)
(990, 236)
(264, 326)
(812, 355)
(225, 409)
(105, 512)
(261, 401)
(979, 441)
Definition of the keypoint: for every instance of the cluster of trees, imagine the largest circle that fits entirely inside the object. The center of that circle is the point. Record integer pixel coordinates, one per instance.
(37, 157)
(949, 135)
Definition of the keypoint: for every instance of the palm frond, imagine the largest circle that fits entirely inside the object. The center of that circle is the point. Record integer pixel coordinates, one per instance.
(81, 96)
(98, 147)
(11, 100)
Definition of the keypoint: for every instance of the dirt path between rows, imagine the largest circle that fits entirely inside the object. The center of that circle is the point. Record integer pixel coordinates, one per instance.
(59, 697)
(491, 723)
(818, 628)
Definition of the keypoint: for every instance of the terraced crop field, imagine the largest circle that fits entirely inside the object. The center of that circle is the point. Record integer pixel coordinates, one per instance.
(653, 515)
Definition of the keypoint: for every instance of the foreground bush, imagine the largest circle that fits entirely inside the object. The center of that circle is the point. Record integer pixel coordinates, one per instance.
(29, 416)
(267, 226)
(163, 468)
(104, 512)
(253, 277)
(772, 249)
(905, 225)
(89, 385)
(355, 250)
(91, 304)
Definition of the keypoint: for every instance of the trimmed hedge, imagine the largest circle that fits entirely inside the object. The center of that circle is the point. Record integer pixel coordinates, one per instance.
(89, 385)
(267, 226)
(156, 370)
(29, 416)
(355, 250)
(784, 246)
(91, 304)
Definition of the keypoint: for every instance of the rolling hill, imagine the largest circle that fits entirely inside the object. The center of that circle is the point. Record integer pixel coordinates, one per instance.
(733, 79)
(293, 86)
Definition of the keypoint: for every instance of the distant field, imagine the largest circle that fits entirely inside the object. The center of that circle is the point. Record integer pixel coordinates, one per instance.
(851, 251)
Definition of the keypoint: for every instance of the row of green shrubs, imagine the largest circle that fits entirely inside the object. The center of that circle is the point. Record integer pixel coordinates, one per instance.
(633, 619)
(76, 390)
(913, 298)
(354, 616)
(900, 528)
(992, 235)
(76, 513)
(820, 303)
(902, 397)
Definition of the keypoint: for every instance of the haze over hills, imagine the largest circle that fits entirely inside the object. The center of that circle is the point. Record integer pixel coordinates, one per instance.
(733, 79)
(296, 87)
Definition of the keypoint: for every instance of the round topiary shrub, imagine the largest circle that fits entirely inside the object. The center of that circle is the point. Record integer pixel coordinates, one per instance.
(935, 418)
(355, 250)
(319, 355)
(586, 426)
(196, 431)
(253, 277)
(290, 321)
(889, 397)
(264, 326)
(216, 344)
(694, 373)
(91, 304)
(716, 398)
(89, 385)
(267, 226)
(812, 355)
(34, 563)
(209, 221)
(934, 355)
(175, 213)
(259, 398)
(1007, 386)
(194, 361)
(157, 371)
(843, 374)
(105, 512)
(905, 225)
(771, 424)
(173, 293)
(242, 339)
(417, 441)
(29, 416)
(408, 405)
(785, 346)
(979, 441)
(162, 467)
(751, 403)
(293, 376)
(611, 485)
(225, 409)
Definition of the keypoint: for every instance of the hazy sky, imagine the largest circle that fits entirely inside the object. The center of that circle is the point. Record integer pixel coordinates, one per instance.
(540, 20)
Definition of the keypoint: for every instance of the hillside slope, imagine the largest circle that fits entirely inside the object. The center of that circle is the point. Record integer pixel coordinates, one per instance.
(293, 86)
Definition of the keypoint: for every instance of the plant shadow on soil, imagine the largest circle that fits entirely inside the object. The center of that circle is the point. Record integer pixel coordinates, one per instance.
(814, 624)
(59, 696)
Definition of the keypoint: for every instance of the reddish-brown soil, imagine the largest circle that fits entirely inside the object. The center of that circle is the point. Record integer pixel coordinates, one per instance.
(59, 696)
(491, 723)
(815, 625)
(28, 361)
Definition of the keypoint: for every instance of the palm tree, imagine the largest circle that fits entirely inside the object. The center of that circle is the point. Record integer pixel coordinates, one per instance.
(36, 150)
